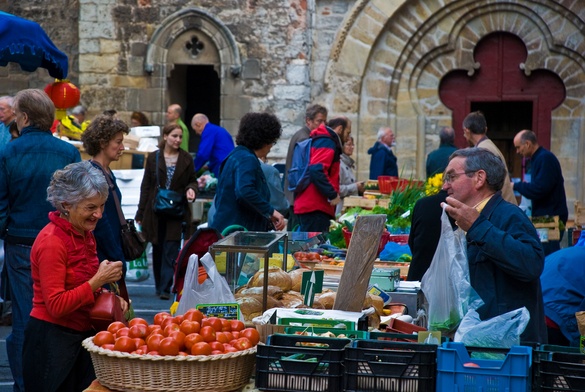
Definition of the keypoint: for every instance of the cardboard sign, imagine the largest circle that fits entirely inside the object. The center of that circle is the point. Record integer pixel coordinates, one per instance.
(226, 311)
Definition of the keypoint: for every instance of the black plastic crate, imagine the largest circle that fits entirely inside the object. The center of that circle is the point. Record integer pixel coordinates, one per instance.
(562, 371)
(387, 366)
(544, 352)
(295, 363)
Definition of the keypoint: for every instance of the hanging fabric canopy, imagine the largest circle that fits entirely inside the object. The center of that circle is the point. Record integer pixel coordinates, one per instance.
(25, 42)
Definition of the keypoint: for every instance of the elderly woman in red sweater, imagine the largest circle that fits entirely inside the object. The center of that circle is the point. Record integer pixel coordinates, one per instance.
(66, 276)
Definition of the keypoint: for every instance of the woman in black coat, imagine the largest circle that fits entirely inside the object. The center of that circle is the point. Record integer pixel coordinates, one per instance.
(175, 172)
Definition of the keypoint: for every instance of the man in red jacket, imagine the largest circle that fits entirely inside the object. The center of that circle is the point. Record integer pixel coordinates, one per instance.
(315, 205)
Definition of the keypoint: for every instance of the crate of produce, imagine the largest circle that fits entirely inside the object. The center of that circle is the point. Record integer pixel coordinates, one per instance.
(133, 372)
(326, 332)
(300, 363)
(381, 365)
(558, 368)
(323, 323)
(397, 337)
(458, 371)
(551, 228)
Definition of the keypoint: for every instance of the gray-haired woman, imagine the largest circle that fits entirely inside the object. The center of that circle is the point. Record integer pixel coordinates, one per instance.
(66, 276)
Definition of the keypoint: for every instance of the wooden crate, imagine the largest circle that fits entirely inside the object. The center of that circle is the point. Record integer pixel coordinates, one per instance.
(362, 202)
(554, 234)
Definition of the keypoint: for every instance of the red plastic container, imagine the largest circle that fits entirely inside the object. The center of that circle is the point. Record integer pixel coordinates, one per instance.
(387, 184)
(383, 240)
(401, 239)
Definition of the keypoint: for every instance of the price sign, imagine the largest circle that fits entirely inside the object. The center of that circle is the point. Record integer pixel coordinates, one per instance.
(226, 311)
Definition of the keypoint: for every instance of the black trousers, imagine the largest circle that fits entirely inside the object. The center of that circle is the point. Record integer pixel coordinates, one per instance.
(315, 221)
(54, 360)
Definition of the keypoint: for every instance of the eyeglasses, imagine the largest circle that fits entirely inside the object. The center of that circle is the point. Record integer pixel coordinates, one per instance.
(450, 177)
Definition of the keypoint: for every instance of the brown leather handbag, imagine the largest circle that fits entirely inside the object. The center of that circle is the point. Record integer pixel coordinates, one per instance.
(107, 309)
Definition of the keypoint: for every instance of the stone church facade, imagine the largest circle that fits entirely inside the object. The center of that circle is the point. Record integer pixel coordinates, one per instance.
(415, 65)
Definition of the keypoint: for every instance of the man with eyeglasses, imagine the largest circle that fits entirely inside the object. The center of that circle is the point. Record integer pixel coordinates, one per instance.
(504, 252)
(546, 188)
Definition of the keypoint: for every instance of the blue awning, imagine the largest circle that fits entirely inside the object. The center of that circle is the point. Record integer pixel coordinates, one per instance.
(25, 42)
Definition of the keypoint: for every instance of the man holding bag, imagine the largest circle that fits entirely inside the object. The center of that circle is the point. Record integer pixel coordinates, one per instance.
(504, 252)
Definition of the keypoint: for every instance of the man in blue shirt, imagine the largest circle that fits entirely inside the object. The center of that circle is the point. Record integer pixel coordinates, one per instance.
(383, 161)
(216, 144)
(546, 188)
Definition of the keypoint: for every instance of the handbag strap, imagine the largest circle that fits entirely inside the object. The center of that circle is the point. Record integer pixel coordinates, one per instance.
(156, 171)
(114, 195)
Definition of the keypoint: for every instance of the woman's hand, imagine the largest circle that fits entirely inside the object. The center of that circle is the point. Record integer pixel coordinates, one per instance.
(108, 272)
(190, 194)
(123, 304)
(278, 220)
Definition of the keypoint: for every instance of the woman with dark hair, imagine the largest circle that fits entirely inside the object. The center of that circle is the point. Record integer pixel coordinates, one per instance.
(171, 168)
(138, 119)
(66, 278)
(103, 141)
(243, 196)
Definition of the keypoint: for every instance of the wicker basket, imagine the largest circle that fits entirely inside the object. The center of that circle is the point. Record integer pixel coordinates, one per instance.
(132, 372)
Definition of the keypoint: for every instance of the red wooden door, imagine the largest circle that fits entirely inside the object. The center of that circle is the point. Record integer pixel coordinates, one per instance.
(501, 83)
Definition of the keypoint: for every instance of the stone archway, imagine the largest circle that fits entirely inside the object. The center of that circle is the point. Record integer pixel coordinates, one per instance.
(389, 58)
(195, 37)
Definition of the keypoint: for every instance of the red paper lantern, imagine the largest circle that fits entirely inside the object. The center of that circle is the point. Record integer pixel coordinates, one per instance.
(63, 93)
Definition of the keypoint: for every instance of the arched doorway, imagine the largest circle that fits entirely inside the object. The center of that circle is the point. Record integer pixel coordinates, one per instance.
(510, 100)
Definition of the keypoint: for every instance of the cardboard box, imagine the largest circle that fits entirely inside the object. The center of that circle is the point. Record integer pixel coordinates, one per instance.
(131, 142)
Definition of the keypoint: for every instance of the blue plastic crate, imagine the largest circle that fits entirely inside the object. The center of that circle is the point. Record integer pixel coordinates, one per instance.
(512, 374)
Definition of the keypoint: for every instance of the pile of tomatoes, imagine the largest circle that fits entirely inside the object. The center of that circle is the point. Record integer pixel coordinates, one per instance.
(307, 256)
(189, 334)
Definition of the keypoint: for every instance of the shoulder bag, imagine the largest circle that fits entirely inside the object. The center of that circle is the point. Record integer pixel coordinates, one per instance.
(133, 242)
(167, 203)
(107, 309)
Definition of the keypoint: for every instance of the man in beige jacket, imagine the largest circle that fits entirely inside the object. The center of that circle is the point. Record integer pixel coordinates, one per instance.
(474, 131)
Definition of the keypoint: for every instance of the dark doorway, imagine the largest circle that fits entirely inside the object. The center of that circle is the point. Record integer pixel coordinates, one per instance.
(197, 89)
(504, 120)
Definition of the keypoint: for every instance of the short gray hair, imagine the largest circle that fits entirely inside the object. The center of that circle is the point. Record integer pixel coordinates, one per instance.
(481, 159)
(8, 99)
(382, 132)
(75, 183)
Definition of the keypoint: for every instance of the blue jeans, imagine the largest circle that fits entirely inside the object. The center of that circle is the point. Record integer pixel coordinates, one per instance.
(17, 262)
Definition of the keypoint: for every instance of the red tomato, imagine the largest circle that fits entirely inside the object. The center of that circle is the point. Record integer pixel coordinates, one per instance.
(139, 342)
(153, 353)
(193, 315)
(201, 348)
(179, 319)
(182, 354)
(215, 345)
(137, 320)
(179, 337)
(144, 349)
(170, 328)
(167, 321)
(115, 326)
(103, 337)
(226, 325)
(191, 339)
(138, 330)
(252, 335)
(124, 344)
(108, 346)
(168, 346)
(159, 317)
(124, 331)
(153, 342)
(229, 348)
(153, 328)
(207, 333)
(214, 322)
(314, 256)
(222, 337)
(242, 344)
(229, 336)
(235, 334)
(237, 325)
(188, 326)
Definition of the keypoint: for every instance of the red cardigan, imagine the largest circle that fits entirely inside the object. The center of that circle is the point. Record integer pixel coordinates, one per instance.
(62, 262)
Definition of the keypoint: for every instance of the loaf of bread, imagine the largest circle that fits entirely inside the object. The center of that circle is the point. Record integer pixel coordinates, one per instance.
(276, 277)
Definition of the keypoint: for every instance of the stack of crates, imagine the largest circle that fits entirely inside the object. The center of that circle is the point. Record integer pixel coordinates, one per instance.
(558, 368)
(295, 363)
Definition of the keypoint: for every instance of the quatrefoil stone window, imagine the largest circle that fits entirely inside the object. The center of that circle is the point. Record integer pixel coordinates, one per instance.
(194, 46)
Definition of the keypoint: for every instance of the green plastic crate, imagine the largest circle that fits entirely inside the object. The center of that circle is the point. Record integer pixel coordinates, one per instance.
(349, 334)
